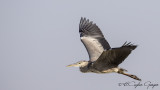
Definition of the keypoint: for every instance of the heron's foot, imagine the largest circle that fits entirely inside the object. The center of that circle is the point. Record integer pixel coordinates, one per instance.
(135, 77)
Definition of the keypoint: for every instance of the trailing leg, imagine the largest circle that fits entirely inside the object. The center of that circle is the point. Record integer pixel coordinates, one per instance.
(121, 71)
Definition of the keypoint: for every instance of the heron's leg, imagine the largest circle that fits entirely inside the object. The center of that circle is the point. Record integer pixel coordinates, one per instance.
(121, 71)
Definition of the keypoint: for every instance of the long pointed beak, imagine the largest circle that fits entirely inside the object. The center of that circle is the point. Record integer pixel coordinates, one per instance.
(71, 65)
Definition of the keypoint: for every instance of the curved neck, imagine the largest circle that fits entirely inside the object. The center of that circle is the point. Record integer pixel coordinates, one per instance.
(85, 68)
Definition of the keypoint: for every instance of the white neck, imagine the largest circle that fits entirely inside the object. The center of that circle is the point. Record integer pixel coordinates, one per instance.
(84, 64)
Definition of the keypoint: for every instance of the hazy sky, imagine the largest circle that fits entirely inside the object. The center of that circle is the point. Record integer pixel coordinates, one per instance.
(39, 38)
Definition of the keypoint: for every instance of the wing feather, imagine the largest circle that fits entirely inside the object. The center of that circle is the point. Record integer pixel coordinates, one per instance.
(113, 57)
(92, 38)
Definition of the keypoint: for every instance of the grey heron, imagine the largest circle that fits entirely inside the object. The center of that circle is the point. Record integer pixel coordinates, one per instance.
(103, 58)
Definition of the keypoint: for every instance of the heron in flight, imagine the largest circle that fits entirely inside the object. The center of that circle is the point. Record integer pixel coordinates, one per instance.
(103, 58)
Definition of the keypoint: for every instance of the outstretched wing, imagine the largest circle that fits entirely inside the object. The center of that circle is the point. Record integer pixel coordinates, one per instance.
(92, 38)
(113, 57)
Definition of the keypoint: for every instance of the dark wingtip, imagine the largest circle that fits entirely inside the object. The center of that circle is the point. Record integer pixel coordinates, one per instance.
(83, 18)
(132, 46)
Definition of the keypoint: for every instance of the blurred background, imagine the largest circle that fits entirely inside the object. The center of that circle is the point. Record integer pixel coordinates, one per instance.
(39, 38)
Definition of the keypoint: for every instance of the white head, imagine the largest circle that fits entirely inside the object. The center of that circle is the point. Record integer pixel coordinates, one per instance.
(79, 64)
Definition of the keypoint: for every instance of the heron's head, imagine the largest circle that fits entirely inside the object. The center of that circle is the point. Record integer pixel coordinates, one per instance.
(79, 64)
